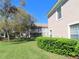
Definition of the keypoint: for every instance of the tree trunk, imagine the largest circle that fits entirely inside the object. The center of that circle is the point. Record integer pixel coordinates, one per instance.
(29, 34)
(8, 37)
(4, 35)
(20, 34)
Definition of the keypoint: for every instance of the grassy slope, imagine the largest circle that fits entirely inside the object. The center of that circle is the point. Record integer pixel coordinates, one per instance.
(27, 50)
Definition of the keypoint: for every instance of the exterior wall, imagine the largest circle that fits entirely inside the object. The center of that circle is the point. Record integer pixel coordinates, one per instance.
(51, 24)
(40, 31)
(36, 31)
(70, 14)
(45, 32)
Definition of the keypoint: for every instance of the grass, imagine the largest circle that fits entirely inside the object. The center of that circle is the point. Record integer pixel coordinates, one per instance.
(26, 50)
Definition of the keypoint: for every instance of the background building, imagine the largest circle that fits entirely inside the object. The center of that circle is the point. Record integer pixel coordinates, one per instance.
(39, 30)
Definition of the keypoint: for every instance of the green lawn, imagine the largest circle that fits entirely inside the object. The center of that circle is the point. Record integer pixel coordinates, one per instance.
(26, 50)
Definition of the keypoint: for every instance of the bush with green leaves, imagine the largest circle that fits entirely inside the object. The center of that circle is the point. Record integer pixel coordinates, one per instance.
(62, 46)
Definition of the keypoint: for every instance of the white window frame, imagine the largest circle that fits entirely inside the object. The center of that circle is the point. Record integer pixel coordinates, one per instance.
(68, 26)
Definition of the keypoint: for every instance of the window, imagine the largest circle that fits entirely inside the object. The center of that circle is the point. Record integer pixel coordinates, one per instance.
(59, 15)
(74, 31)
(39, 29)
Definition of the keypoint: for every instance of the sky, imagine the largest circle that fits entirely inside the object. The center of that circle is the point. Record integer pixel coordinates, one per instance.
(38, 9)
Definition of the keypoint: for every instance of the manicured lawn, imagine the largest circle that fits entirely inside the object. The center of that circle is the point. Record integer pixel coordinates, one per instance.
(26, 50)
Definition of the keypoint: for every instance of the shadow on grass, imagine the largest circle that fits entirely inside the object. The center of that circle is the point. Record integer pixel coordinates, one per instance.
(22, 40)
(17, 41)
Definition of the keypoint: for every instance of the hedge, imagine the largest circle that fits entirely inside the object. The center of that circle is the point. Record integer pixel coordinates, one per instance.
(62, 46)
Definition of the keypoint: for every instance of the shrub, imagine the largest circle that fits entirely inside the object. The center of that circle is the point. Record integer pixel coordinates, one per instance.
(77, 48)
(62, 46)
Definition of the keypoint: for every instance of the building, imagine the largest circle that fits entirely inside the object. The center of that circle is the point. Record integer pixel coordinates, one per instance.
(39, 30)
(63, 19)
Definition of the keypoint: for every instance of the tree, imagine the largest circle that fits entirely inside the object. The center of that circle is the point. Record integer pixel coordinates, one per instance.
(7, 10)
(15, 19)
(22, 21)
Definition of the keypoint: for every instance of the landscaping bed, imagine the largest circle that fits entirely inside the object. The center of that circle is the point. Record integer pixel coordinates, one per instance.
(61, 46)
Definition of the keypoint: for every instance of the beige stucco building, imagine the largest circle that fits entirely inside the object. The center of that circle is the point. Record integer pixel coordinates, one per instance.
(63, 19)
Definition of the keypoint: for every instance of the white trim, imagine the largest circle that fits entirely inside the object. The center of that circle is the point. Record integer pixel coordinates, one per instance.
(76, 22)
(68, 31)
(56, 16)
(68, 26)
(59, 19)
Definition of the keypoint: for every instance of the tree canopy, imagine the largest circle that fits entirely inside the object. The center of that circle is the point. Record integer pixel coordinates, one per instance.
(12, 18)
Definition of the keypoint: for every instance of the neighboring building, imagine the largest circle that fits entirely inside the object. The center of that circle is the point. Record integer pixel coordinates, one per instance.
(63, 19)
(39, 30)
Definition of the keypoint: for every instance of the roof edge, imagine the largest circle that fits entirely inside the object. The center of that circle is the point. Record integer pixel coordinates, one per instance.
(58, 4)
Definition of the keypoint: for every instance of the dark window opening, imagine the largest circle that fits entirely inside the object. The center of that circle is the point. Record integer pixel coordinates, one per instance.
(59, 13)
